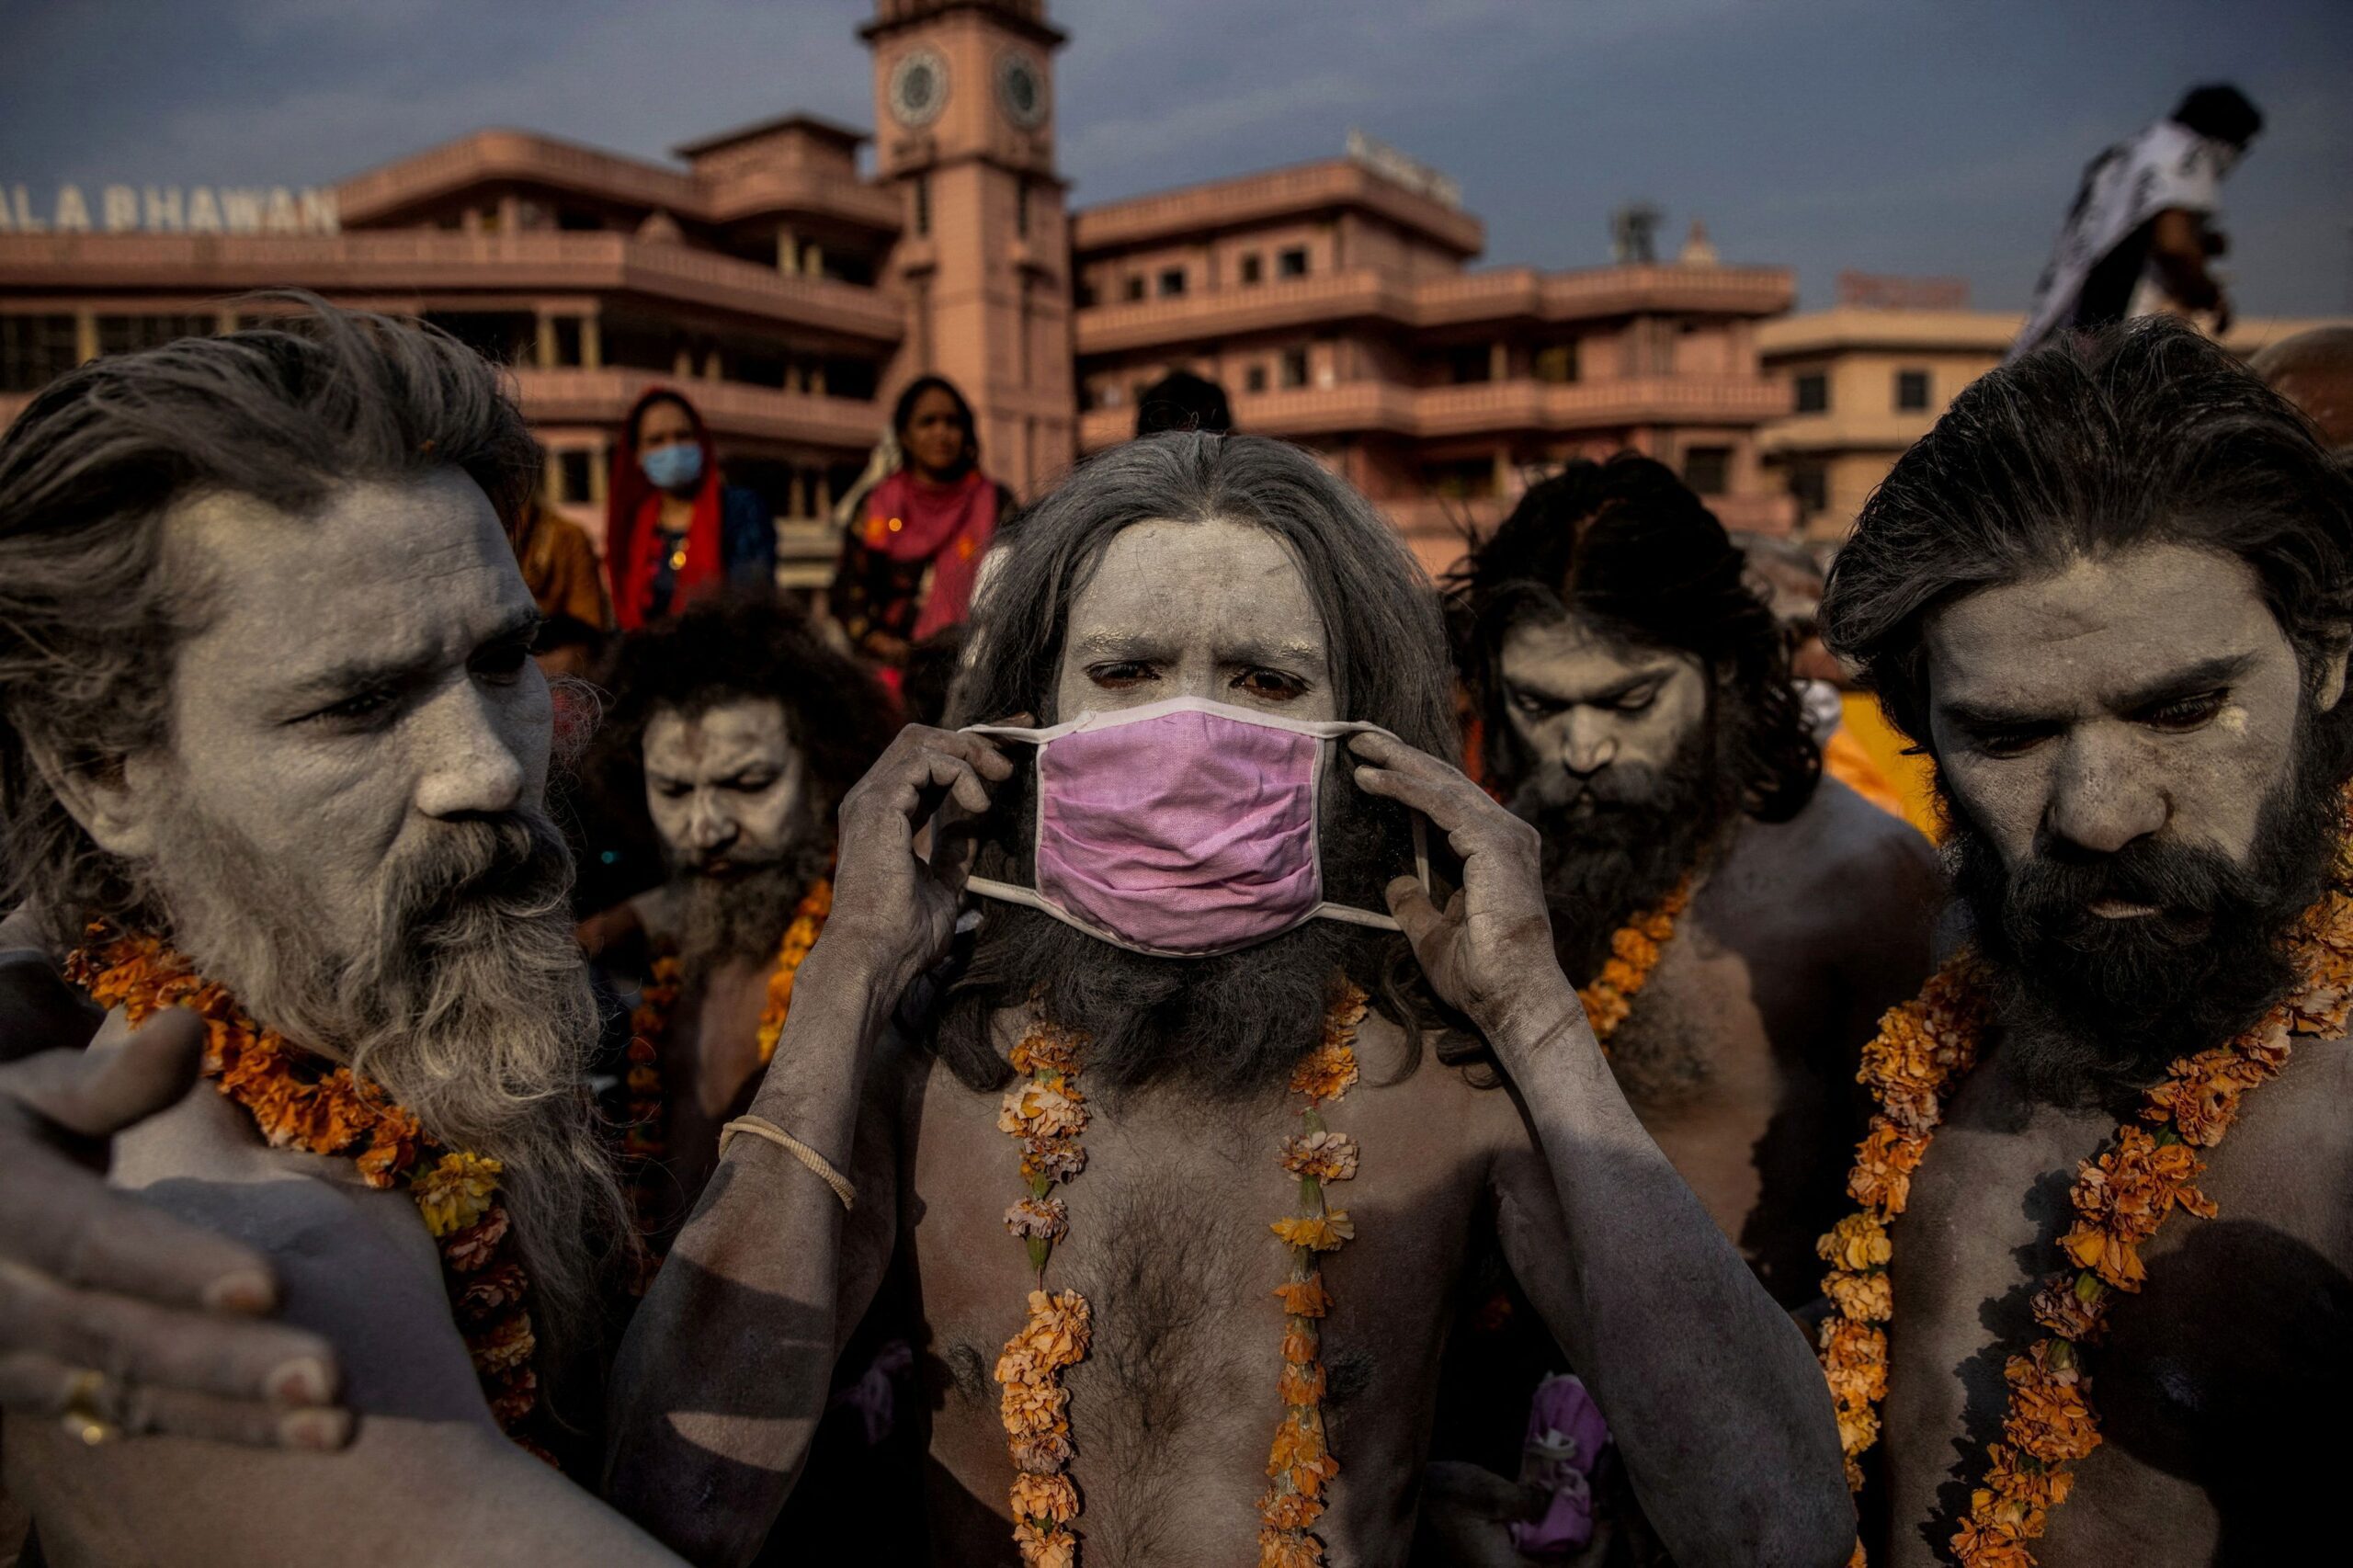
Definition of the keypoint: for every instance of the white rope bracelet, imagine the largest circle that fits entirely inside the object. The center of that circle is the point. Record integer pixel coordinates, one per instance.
(768, 1131)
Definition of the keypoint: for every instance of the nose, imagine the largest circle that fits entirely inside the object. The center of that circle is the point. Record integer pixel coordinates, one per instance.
(1588, 744)
(2102, 798)
(709, 829)
(470, 765)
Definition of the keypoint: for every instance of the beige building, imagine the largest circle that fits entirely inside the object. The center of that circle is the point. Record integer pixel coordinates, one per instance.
(1863, 381)
(1334, 303)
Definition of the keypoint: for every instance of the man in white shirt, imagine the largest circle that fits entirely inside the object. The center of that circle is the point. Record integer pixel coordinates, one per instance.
(2144, 210)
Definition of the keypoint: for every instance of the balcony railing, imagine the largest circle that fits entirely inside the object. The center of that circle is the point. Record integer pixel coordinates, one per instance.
(518, 157)
(731, 409)
(1483, 408)
(421, 262)
(1265, 197)
(1471, 299)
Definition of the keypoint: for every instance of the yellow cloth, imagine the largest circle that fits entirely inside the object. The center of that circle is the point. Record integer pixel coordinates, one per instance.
(1910, 775)
(559, 567)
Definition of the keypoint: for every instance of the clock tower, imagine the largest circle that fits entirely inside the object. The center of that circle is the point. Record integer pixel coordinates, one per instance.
(963, 110)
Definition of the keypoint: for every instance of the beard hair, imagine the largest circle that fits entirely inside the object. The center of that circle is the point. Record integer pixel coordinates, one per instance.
(1228, 1027)
(741, 917)
(1619, 842)
(466, 1000)
(2095, 1007)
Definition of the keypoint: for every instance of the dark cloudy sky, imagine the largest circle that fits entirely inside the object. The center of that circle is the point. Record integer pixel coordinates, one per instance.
(1916, 136)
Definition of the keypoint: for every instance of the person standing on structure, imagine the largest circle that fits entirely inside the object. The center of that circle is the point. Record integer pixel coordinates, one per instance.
(2145, 210)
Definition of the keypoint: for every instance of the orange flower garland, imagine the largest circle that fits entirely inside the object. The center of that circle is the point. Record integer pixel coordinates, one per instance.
(1300, 1466)
(1047, 1113)
(298, 1100)
(2120, 1198)
(643, 1139)
(1635, 948)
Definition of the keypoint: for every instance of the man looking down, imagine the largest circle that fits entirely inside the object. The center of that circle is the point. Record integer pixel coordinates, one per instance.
(2112, 592)
(1637, 711)
(733, 734)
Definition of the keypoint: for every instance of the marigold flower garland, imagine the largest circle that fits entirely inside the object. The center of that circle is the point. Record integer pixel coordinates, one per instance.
(298, 1100)
(644, 1135)
(1047, 1113)
(1301, 1467)
(1635, 948)
(2120, 1198)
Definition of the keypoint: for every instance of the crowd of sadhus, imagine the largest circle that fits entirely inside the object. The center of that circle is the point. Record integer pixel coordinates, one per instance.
(1142, 1030)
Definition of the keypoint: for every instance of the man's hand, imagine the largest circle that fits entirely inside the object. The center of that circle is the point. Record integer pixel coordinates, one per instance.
(115, 1317)
(1489, 951)
(899, 907)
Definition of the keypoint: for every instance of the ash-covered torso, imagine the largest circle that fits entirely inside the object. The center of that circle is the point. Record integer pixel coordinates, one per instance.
(1739, 1054)
(1173, 1409)
(2222, 1387)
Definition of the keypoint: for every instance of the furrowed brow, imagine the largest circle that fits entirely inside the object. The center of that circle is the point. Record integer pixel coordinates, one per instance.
(2171, 686)
(2200, 677)
(368, 674)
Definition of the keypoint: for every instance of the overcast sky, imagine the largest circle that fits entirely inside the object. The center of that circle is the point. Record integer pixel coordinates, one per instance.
(1908, 136)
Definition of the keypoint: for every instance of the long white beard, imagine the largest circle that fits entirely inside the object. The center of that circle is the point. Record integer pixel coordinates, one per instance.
(467, 1002)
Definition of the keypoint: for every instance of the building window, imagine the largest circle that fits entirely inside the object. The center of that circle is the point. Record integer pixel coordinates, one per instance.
(1135, 289)
(1810, 482)
(1172, 282)
(1086, 293)
(1254, 379)
(923, 205)
(1469, 362)
(1813, 392)
(1253, 267)
(34, 351)
(1706, 470)
(1465, 479)
(1021, 209)
(1294, 368)
(129, 334)
(1911, 391)
(573, 476)
(1291, 262)
(1557, 362)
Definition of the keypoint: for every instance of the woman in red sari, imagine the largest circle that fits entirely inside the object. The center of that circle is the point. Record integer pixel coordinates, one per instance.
(909, 563)
(672, 531)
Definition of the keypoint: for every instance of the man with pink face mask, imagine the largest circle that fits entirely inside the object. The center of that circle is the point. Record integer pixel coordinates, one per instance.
(1116, 1039)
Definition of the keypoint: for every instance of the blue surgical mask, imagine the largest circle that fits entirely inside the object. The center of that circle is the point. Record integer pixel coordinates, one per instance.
(672, 468)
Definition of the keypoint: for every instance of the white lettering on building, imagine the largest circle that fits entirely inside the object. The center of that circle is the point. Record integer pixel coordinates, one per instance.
(171, 209)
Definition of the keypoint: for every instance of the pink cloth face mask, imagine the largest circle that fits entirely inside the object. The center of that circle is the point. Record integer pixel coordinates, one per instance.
(1180, 828)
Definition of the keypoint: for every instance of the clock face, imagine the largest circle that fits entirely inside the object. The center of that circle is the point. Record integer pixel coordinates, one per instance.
(918, 88)
(1021, 89)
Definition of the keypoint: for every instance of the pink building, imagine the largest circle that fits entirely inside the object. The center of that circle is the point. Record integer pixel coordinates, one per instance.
(794, 292)
(1333, 302)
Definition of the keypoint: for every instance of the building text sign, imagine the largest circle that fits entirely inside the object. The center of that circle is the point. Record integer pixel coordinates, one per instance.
(170, 209)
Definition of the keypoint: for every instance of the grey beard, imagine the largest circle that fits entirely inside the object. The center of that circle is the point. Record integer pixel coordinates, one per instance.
(467, 1002)
(740, 918)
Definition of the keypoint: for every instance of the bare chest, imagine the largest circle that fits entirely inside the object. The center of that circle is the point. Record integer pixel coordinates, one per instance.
(2239, 1337)
(1174, 1408)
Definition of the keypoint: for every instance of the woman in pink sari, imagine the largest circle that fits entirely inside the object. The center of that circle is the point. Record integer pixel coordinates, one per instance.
(908, 564)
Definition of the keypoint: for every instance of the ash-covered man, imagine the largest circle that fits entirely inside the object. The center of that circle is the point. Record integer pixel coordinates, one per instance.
(1239, 1199)
(267, 714)
(1736, 921)
(733, 734)
(2111, 592)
